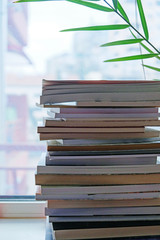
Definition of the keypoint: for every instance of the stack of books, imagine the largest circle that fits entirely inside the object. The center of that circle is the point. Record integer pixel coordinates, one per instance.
(100, 174)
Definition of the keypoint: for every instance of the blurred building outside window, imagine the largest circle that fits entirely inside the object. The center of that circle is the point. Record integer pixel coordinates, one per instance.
(32, 48)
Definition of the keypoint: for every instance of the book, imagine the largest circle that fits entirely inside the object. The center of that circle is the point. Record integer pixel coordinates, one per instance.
(100, 87)
(112, 116)
(100, 176)
(100, 189)
(51, 122)
(105, 152)
(47, 193)
(84, 179)
(114, 218)
(104, 110)
(46, 82)
(61, 203)
(102, 211)
(108, 224)
(114, 104)
(148, 133)
(43, 129)
(97, 104)
(98, 91)
(99, 160)
(100, 97)
(60, 231)
(60, 83)
(117, 116)
(93, 146)
(128, 85)
(96, 170)
(82, 142)
(50, 234)
(98, 197)
(100, 104)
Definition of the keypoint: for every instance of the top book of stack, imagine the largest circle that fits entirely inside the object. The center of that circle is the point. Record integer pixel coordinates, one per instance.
(100, 93)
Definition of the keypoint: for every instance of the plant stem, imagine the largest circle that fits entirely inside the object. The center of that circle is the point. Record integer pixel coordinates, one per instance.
(133, 27)
(140, 49)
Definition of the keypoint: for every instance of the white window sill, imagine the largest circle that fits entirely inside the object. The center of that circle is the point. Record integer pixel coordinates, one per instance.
(26, 229)
(22, 209)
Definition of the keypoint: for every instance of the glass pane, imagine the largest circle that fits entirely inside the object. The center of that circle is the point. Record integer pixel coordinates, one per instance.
(33, 48)
(20, 148)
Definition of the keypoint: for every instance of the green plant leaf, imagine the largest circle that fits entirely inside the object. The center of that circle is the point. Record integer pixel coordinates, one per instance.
(143, 19)
(148, 49)
(21, 1)
(98, 28)
(92, 5)
(121, 10)
(122, 42)
(144, 46)
(115, 4)
(153, 68)
(90, 0)
(135, 57)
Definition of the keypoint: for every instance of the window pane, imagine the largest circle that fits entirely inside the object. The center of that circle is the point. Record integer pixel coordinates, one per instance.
(33, 48)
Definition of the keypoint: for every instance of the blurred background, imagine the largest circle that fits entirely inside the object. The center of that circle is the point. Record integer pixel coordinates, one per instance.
(32, 48)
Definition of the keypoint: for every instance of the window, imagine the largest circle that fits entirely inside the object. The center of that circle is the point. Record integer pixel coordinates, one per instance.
(32, 48)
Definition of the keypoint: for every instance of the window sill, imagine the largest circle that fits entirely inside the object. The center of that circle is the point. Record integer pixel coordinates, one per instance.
(22, 209)
(33, 229)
